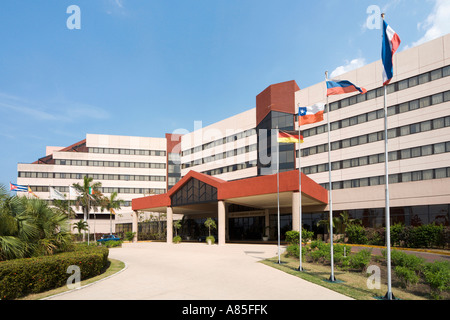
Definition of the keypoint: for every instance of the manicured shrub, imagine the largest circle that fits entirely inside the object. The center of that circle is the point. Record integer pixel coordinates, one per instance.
(403, 259)
(292, 237)
(437, 275)
(21, 277)
(406, 275)
(360, 260)
(356, 234)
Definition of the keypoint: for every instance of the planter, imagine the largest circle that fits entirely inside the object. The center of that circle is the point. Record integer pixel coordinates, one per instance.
(208, 241)
(265, 238)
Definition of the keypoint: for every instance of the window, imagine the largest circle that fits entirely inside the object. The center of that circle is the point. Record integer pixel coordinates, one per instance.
(436, 74)
(371, 94)
(414, 128)
(446, 71)
(425, 126)
(415, 152)
(437, 98)
(404, 107)
(438, 123)
(406, 154)
(372, 116)
(412, 82)
(427, 150)
(424, 102)
(406, 177)
(424, 78)
(373, 159)
(439, 148)
(427, 174)
(405, 130)
(413, 105)
(403, 84)
(440, 173)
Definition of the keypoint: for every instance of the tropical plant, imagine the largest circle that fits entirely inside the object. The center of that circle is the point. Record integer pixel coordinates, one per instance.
(210, 223)
(177, 225)
(81, 226)
(29, 227)
(89, 195)
(111, 204)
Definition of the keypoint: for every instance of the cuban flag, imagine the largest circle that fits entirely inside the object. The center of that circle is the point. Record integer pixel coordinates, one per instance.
(17, 187)
(391, 42)
(341, 87)
(311, 114)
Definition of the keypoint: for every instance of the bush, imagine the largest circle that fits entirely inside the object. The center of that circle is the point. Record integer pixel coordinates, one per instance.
(402, 259)
(112, 243)
(360, 260)
(437, 275)
(21, 277)
(292, 237)
(406, 275)
(129, 235)
(356, 234)
(176, 239)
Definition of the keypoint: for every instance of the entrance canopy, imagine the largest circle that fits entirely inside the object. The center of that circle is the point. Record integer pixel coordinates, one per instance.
(199, 193)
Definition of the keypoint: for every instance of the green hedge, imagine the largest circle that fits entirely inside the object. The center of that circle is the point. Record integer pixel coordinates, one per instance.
(21, 277)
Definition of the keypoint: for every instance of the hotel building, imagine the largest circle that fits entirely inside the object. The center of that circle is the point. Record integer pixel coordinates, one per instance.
(227, 170)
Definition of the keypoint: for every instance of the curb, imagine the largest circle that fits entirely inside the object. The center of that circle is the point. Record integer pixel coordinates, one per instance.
(87, 285)
(433, 251)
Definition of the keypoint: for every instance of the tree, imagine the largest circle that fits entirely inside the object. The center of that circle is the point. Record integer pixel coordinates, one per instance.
(90, 196)
(80, 226)
(210, 223)
(111, 204)
(29, 227)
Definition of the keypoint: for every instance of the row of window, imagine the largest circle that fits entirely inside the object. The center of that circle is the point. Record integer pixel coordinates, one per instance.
(104, 190)
(62, 175)
(232, 168)
(218, 142)
(429, 174)
(377, 114)
(117, 164)
(137, 152)
(220, 156)
(378, 136)
(393, 87)
(403, 154)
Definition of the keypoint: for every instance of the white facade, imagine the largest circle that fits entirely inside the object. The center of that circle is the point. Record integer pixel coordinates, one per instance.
(418, 103)
(131, 166)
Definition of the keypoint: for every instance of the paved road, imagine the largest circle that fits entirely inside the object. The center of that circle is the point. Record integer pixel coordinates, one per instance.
(196, 271)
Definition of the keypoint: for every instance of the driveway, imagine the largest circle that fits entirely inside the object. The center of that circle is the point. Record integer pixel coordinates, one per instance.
(196, 271)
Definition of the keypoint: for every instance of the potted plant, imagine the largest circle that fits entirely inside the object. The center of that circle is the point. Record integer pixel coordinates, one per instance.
(176, 239)
(210, 223)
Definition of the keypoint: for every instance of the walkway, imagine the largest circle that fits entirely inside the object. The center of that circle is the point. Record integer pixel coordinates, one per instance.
(196, 271)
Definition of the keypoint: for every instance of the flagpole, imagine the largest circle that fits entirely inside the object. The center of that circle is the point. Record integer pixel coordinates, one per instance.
(278, 194)
(389, 295)
(300, 268)
(330, 188)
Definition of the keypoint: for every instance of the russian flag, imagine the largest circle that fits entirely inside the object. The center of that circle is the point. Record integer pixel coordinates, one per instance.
(311, 114)
(341, 87)
(17, 187)
(391, 42)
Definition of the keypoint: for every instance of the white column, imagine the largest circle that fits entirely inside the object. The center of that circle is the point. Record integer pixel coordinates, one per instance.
(295, 211)
(169, 224)
(134, 227)
(221, 221)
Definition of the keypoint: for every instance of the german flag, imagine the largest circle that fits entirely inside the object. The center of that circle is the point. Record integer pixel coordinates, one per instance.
(289, 137)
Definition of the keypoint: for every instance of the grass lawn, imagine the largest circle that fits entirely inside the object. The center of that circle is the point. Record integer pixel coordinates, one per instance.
(354, 284)
(114, 267)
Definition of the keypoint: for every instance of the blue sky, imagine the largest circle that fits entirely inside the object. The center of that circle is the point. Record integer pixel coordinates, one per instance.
(146, 68)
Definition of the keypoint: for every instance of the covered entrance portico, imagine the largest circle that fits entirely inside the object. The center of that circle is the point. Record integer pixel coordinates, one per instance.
(242, 208)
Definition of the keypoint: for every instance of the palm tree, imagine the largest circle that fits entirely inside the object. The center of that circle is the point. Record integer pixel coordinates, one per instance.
(80, 226)
(111, 204)
(30, 227)
(89, 196)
